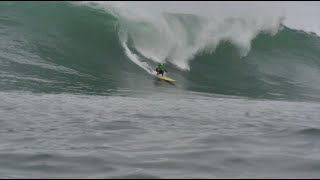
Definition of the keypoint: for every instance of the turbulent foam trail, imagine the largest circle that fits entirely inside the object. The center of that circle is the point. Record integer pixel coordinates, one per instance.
(124, 40)
(119, 12)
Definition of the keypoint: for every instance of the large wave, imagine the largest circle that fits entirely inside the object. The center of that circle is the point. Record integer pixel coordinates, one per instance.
(62, 46)
(177, 38)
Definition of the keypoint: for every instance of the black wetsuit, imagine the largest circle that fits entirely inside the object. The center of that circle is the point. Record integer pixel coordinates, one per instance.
(161, 70)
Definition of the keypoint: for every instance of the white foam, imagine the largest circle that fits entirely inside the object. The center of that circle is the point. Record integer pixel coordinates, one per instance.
(166, 39)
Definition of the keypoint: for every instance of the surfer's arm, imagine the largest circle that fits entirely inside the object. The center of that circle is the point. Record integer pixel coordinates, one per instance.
(165, 70)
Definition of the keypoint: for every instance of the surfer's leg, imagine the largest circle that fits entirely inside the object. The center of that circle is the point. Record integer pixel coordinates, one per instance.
(161, 72)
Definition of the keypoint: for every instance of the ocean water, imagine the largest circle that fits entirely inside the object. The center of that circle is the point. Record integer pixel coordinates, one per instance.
(78, 99)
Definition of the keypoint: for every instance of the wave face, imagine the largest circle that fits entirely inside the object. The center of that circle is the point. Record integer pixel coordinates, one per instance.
(98, 47)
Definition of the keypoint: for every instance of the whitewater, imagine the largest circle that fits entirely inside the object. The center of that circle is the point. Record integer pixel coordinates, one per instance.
(175, 40)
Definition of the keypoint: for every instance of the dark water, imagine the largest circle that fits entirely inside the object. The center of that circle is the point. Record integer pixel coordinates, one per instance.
(74, 105)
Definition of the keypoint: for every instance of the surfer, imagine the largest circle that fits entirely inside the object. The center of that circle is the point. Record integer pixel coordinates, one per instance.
(161, 69)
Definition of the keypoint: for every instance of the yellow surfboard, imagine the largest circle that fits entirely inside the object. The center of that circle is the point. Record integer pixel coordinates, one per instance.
(165, 78)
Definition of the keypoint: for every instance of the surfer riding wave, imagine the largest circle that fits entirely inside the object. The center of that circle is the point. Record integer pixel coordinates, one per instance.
(160, 69)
